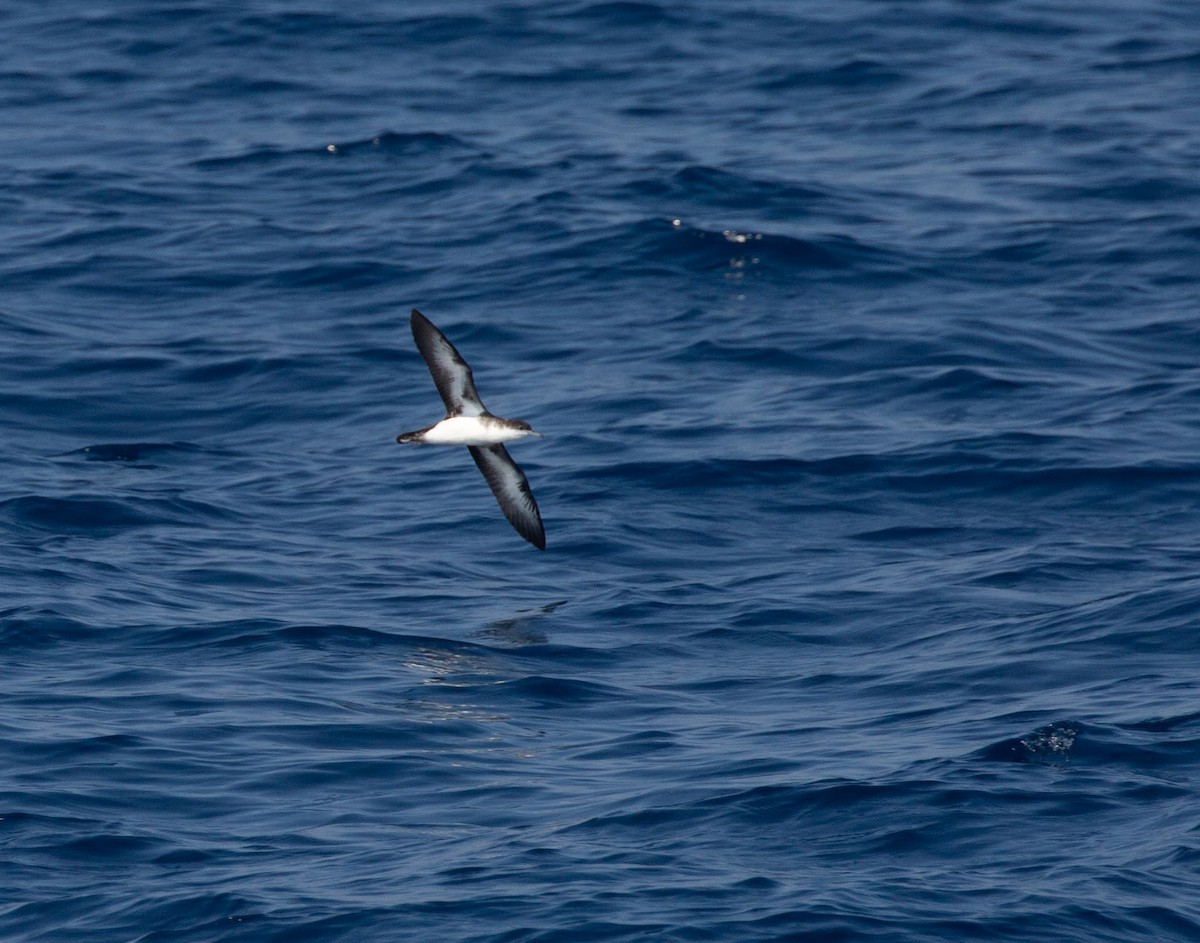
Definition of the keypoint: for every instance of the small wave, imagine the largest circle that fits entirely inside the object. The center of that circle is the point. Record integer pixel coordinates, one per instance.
(632, 746)
(25, 627)
(347, 274)
(219, 371)
(907, 534)
(104, 516)
(624, 13)
(251, 633)
(675, 475)
(133, 451)
(388, 143)
(238, 86)
(1051, 743)
(754, 252)
(77, 514)
(1155, 750)
(391, 143)
(966, 383)
(707, 249)
(1137, 56)
(713, 186)
(854, 73)
(550, 692)
(1168, 724)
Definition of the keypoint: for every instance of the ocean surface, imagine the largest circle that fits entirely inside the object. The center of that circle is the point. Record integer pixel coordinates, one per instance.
(865, 339)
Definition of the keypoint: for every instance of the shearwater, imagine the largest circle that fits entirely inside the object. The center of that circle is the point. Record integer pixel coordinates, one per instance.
(469, 423)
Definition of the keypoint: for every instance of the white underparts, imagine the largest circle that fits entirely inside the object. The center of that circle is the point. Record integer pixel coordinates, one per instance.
(473, 430)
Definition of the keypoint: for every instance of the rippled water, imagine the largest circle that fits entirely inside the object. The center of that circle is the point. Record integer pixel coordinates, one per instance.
(865, 344)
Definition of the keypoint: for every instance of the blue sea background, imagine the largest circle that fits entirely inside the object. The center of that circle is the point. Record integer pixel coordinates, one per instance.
(865, 338)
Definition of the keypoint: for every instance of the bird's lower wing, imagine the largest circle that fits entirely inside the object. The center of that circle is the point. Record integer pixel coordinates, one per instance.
(511, 488)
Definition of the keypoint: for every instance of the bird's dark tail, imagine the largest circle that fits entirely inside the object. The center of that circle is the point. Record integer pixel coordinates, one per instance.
(412, 438)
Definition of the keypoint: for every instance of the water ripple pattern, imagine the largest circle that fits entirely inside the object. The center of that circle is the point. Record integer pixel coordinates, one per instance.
(864, 340)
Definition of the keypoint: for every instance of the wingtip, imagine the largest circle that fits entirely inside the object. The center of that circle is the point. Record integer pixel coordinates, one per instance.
(530, 532)
(420, 325)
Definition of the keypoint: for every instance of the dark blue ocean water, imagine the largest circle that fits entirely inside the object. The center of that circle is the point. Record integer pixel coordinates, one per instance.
(866, 342)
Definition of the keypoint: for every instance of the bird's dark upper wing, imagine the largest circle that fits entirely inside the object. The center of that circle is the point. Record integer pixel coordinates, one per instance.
(450, 372)
(511, 488)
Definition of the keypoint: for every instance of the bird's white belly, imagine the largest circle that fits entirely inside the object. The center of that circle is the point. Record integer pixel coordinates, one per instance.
(470, 430)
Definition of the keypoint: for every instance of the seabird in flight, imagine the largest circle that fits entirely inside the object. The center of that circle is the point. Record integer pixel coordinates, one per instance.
(469, 423)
